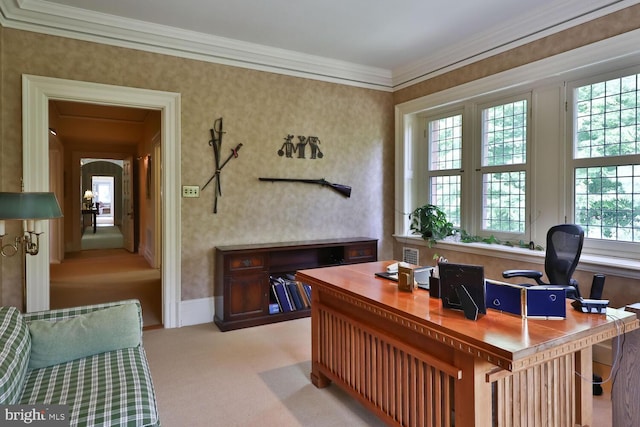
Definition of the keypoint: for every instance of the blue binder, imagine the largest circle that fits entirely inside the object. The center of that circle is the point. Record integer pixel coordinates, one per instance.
(505, 297)
(546, 302)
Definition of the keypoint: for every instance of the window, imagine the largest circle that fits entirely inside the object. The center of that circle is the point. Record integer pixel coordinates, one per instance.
(445, 163)
(501, 175)
(553, 141)
(606, 158)
(503, 161)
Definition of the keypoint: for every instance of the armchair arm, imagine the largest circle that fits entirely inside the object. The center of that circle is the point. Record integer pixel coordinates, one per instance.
(530, 274)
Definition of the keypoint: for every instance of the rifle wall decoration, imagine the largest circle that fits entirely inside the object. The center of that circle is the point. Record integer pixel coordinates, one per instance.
(289, 148)
(345, 190)
(216, 143)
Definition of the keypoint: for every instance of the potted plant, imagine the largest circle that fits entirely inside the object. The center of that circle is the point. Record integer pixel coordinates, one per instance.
(431, 223)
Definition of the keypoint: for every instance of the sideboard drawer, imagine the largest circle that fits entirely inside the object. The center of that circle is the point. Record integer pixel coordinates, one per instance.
(361, 253)
(247, 261)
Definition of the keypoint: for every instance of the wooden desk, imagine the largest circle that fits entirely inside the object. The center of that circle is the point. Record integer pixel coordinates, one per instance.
(94, 214)
(414, 363)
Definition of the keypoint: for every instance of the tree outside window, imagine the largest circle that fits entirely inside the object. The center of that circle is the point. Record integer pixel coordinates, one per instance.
(503, 161)
(606, 159)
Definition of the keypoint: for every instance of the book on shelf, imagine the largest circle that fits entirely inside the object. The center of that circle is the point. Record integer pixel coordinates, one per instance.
(305, 296)
(307, 289)
(305, 299)
(292, 288)
(274, 307)
(282, 296)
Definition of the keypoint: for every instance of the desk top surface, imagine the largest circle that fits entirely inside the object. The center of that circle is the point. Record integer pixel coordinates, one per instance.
(506, 337)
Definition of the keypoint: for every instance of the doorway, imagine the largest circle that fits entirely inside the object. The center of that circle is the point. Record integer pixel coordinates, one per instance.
(37, 92)
(101, 191)
(109, 262)
(104, 199)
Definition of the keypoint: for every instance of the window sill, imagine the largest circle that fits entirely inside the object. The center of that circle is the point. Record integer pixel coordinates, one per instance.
(621, 267)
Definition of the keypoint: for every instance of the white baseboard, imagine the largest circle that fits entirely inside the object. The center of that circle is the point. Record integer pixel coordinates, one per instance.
(602, 353)
(196, 311)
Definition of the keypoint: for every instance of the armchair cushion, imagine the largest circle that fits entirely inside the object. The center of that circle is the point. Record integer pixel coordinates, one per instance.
(15, 345)
(55, 342)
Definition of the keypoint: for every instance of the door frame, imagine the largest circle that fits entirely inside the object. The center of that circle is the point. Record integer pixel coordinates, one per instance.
(37, 91)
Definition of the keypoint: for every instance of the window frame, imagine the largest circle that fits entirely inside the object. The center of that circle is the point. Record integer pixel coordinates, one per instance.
(427, 173)
(592, 245)
(471, 171)
(479, 170)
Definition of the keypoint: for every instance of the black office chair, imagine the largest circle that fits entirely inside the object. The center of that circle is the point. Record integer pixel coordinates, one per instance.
(564, 245)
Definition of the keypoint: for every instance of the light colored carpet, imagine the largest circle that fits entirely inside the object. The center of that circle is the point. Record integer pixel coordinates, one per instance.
(255, 377)
(96, 276)
(108, 237)
(249, 377)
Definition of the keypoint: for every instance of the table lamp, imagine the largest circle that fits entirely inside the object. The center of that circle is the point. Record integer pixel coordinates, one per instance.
(32, 208)
(88, 196)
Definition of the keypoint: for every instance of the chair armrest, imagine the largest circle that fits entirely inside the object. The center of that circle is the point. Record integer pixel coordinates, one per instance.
(68, 313)
(530, 274)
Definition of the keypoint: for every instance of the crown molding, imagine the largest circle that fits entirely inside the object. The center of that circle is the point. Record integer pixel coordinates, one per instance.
(537, 24)
(59, 20)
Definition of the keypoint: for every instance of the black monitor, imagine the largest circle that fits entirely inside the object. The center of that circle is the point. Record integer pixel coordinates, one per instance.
(460, 283)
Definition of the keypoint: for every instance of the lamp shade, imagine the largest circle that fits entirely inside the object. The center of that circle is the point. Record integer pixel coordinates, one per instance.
(29, 206)
(88, 194)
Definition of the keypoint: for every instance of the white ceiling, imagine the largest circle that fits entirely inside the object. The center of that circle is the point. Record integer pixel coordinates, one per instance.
(384, 44)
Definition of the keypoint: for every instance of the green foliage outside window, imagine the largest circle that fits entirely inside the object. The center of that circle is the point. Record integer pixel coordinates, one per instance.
(607, 125)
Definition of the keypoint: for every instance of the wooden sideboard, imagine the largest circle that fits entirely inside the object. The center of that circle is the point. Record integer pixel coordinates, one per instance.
(242, 275)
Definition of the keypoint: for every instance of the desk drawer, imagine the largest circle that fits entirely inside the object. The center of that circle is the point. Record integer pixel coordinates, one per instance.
(244, 262)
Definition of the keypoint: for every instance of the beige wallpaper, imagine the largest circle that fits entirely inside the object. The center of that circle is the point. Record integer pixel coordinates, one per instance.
(355, 127)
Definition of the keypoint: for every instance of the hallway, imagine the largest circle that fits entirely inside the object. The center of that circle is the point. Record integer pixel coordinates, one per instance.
(105, 237)
(101, 275)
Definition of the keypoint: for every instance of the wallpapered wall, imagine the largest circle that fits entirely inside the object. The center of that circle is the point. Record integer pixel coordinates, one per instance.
(355, 128)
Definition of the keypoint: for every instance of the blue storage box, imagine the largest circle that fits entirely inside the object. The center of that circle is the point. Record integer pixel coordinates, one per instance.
(536, 302)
